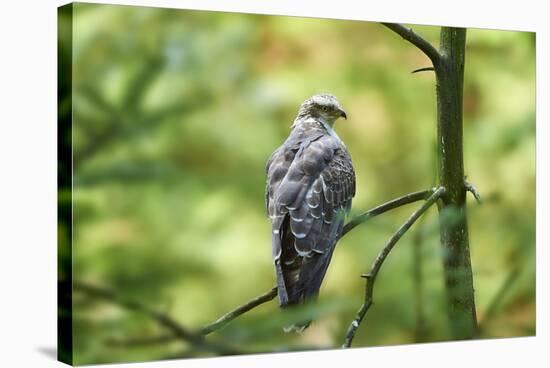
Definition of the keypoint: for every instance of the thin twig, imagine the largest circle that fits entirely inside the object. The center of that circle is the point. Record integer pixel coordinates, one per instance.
(409, 35)
(384, 207)
(181, 332)
(426, 69)
(371, 276)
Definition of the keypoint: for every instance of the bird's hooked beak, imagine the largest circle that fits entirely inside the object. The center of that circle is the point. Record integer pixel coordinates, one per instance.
(343, 114)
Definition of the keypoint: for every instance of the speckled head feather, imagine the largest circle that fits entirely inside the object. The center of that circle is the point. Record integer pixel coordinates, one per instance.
(322, 106)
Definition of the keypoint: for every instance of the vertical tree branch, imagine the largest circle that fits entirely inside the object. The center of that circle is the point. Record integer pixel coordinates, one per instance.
(371, 276)
(454, 234)
(448, 63)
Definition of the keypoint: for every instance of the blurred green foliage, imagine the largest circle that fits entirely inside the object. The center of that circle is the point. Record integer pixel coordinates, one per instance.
(175, 114)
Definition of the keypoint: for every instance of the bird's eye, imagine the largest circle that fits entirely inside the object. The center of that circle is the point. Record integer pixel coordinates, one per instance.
(324, 108)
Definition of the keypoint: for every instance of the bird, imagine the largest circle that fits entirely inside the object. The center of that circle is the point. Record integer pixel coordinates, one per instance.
(309, 190)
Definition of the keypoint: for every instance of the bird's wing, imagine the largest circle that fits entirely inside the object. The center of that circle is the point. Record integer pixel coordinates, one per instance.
(328, 203)
(308, 192)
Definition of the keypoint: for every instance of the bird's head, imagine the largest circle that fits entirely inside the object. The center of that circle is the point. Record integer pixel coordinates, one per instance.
(322, 106)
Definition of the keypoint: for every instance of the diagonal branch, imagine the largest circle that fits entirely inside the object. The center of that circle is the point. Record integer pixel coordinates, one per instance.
(409, 35)
(223, 320)
(179, 331)
(216, 325)
(371, 276)
(384, 207)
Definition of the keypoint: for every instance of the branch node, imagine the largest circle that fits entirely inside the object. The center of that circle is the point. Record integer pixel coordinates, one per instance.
(472, 189)
(409, 35)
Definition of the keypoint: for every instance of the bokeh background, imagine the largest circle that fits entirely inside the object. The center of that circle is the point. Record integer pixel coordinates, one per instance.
(175, 113)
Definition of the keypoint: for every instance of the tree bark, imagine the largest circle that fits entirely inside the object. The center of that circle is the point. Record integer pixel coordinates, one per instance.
(452, 207)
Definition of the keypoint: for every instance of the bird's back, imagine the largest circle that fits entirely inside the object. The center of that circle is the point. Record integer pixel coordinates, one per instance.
(310, 184)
